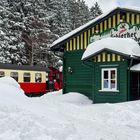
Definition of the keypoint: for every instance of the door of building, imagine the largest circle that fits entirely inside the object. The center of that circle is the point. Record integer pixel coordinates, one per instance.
(134, 85)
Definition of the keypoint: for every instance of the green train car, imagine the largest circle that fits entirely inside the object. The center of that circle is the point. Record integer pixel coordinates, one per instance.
(85, 76)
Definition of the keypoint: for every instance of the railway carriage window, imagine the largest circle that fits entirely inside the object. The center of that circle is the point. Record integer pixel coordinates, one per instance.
(38, 77)
(2, 73)
(27, 77)
(14, 75)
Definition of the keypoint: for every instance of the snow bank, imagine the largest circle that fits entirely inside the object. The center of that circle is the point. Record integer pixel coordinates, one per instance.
(64, 117)
(10, 91)
(75, 98)
(72, 97)
(9, 81)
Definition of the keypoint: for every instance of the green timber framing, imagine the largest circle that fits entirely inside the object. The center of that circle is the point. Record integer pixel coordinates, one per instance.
(77, 77)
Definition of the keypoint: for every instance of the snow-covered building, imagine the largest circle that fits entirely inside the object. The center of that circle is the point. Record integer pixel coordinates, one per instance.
(108, 71)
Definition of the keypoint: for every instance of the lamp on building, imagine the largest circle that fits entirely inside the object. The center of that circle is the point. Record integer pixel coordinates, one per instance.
(70, 70)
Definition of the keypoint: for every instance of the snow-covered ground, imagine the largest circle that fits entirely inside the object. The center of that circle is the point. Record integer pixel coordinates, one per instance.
(64, 117)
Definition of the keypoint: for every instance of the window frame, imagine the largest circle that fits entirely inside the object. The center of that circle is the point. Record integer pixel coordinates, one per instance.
(36, 80)
(16, 77)
(109, 79)
(1, 74)
(26, 77)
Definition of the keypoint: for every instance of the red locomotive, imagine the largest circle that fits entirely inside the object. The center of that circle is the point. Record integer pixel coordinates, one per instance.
(54, 75)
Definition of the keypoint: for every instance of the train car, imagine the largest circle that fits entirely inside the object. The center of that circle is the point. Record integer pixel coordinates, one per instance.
(32, 79)
(55, 74)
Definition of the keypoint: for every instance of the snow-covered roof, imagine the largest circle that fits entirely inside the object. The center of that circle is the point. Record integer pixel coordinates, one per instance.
(73, 32)
(135, 67)
(124, 46)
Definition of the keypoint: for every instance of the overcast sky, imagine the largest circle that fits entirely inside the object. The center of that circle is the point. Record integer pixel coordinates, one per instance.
(107, 4)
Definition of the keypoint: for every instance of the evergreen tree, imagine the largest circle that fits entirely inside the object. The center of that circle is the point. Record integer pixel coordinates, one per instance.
(37, 35)
(95, 11)
(24, 22)
(37, 38)
(83, 14)
(11, 46)
(28, 27)
(66, 15)
(59, 22)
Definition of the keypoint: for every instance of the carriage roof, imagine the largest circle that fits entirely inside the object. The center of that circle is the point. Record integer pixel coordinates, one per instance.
(22, 67)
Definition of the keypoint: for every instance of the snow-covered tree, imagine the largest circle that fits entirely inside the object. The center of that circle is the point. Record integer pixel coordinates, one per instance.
(28, 27)
(83, 14)
(23, 20)
(67, 15)
(95, 11)
(37, 38)
(11, 47)
(59, 23)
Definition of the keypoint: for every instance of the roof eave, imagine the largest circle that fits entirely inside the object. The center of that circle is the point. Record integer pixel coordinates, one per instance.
(127, 56)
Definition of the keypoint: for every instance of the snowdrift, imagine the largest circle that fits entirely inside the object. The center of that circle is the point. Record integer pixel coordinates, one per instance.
(64, 117)
(10, 91)
(72, 97)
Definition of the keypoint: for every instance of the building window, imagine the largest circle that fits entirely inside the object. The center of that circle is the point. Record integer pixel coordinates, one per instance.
(14, 75)
(38, 77)
(27, 77)
(109, 79)
(2, 73)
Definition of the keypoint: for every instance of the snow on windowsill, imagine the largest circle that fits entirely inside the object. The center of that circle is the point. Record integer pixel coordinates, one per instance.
(103, 90)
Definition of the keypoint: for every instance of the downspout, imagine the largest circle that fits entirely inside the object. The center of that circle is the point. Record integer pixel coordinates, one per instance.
(128, 88)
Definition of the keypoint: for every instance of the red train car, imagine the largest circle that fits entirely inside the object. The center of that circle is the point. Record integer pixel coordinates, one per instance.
(32, 79)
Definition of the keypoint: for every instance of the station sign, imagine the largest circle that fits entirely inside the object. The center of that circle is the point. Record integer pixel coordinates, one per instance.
(123, 30)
